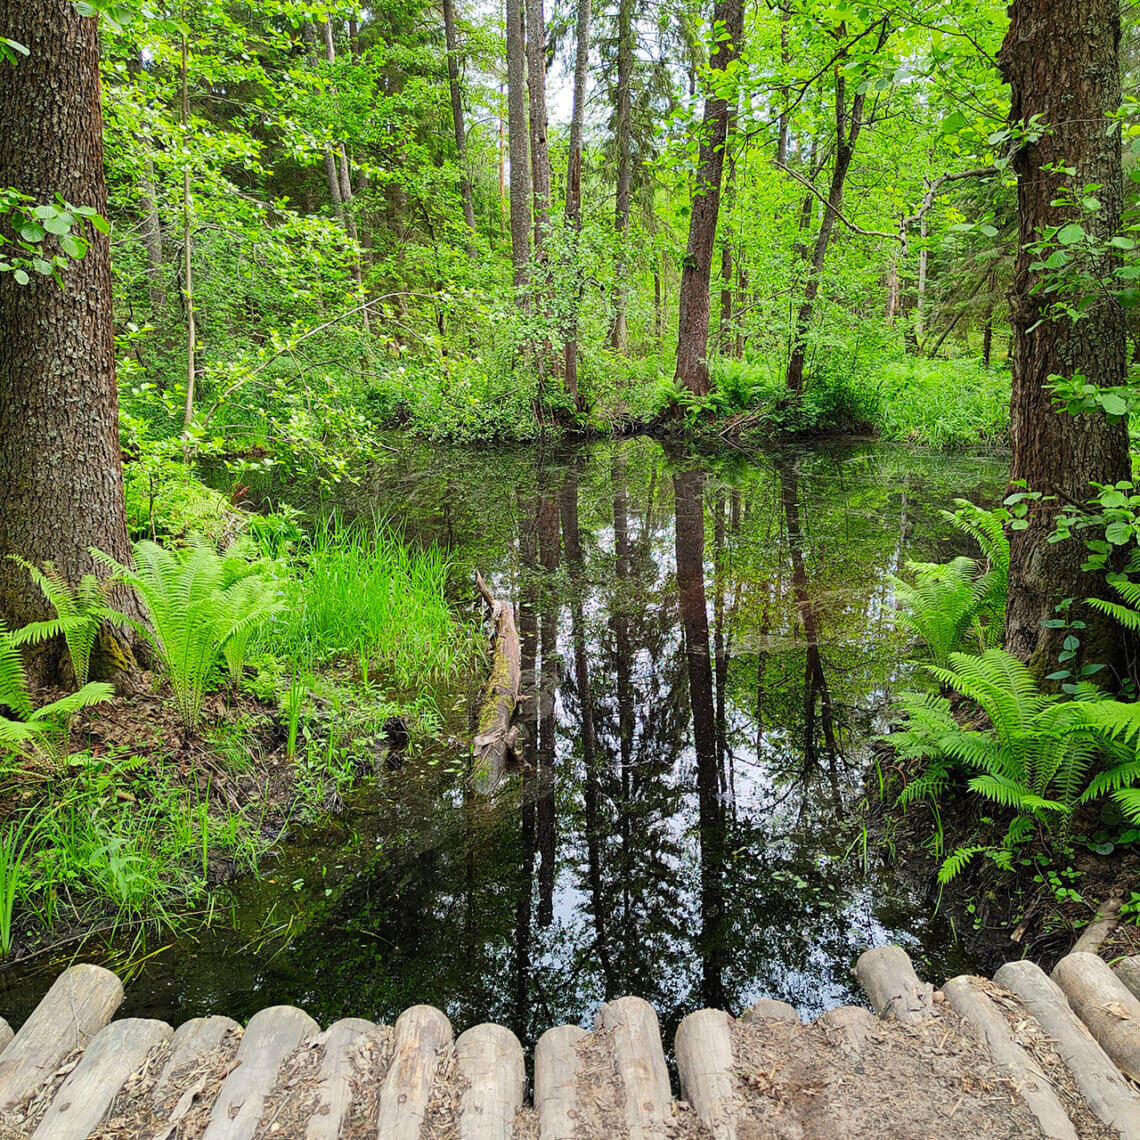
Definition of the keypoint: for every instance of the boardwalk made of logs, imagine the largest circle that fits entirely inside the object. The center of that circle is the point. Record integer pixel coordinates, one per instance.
(1023, 1055)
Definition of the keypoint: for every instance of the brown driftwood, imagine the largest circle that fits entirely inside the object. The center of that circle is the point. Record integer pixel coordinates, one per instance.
(496, 738)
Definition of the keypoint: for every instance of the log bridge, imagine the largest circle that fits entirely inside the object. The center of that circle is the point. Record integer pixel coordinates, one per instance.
(1023, 1055)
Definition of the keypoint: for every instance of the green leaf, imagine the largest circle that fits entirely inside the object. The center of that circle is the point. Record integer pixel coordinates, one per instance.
(954, 123)
(1118, 533)
(21, 277)
(1114, 404)
(1071, 234)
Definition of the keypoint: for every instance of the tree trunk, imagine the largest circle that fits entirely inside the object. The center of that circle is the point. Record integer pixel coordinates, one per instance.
(619, 333)
(61, 479)
(457, 112)
(518, 144)
(1063, 68)
(724, 329)
(152, 240)
(846, 134)
(188, 261)
(694, 303)
(574, 198)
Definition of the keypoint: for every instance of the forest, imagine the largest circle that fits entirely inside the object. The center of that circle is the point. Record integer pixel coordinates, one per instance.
(518, 500)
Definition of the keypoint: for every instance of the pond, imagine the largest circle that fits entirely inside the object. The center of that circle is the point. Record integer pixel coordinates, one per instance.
(709, 650)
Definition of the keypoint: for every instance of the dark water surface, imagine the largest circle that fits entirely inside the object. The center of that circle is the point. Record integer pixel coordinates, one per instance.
(709, 647)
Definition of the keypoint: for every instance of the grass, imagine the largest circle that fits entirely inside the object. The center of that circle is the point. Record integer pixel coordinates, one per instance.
(950, 404)
(119, 840)
(365, 596)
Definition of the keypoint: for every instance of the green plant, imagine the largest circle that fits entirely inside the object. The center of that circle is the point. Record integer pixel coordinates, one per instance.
(197, 601)
(79, 612)
(43, 733)
(944, 605)
(15, 839)
(1036, 757)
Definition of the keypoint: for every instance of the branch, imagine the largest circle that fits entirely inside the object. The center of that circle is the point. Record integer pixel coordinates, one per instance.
(849, 224)
(292, 344)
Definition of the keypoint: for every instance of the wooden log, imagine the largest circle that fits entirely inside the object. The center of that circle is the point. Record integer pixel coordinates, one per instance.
(703, 1047)
(1128, 971)
(972, 1004)
(492, 1063)
(768, 1009)
(639, 1059)
(272, 1034)
(1106, 1091)
(6, 1034)
(192, 1041)
(889, 980)
(1105, 921)
(557, 1068)
(114, 1053)
(422, 1034)
(848, 1026)
(334, 1078)
(1106, 1005)
(79, 1003)
(496, 739)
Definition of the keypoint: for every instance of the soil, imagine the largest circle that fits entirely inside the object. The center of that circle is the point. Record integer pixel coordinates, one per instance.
(904, 1083)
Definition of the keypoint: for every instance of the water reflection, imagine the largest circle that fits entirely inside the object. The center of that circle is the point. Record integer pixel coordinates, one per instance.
(707, 649)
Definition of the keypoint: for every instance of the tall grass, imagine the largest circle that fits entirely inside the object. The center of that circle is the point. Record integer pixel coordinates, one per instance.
(363, 594)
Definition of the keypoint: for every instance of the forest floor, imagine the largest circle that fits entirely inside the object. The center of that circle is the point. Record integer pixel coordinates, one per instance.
(144, 822)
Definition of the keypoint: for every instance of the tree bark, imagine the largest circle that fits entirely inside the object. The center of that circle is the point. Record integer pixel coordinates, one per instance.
(1063, 68)
(619, 332)
(847, 129)
(61, 479)
(518, 145)
(694, 302)
(456, 93)
(574, 198)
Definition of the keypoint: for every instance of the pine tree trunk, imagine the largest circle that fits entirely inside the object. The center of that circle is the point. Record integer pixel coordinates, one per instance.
(619, 333)
(1063, 68)
(694, 301)
(456, 93)
(61, 478)
(518, 145)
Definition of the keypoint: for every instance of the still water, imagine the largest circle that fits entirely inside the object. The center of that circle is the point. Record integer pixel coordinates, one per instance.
(709, 649)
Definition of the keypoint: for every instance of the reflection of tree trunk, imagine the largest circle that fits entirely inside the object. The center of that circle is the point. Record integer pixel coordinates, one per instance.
(619, 622)
(528, 636)
(815, 682)
(589, 741)
(688, 491)
(720, 641)
(547, 527)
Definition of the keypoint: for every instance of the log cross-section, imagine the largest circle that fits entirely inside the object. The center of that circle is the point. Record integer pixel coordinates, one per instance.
(496, 738)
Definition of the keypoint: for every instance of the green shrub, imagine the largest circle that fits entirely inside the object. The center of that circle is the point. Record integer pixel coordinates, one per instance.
(197, 601)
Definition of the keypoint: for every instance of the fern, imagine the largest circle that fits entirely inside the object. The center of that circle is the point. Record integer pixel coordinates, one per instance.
(1127, 615)
(41, 734)
(197, 602)
(79, 612)
(1036, 758)
(942, 604)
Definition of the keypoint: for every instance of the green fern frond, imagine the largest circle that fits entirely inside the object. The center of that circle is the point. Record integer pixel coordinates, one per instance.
(956, 862)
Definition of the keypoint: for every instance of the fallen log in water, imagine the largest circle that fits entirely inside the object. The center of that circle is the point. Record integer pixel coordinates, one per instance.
(497, 738)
